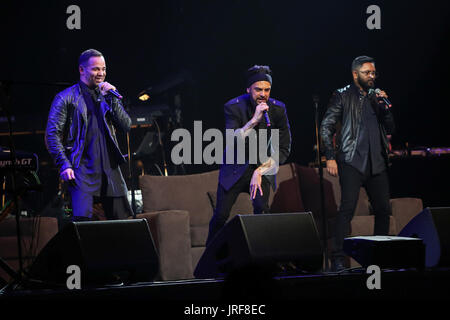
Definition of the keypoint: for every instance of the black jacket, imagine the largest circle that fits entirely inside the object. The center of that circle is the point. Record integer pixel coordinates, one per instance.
(238, 112)
(66, 127)
(343, 117)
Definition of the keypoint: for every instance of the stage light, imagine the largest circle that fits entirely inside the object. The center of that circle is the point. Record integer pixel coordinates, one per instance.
(144, 97)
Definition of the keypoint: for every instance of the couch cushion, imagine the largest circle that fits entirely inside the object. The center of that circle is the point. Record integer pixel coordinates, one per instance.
(243, 204)
(364, 226)
(404, 209)
(171, 234)
(35, 233)
(39, 230)
(187, 192)
(310, 190)
(287, 196)
(198, 235)
(197, 253)
(363, 207)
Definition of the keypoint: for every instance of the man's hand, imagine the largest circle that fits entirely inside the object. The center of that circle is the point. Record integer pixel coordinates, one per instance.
(332, 167)
(255, 184)
(382, 94)
(105, 87)
(259, 111)
(68, 174)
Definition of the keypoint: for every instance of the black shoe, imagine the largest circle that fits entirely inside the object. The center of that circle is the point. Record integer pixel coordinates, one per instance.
(286, 268)
(280, 267)
(338, 265)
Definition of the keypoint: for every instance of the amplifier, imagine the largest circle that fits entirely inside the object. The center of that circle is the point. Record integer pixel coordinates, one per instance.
(386, 251)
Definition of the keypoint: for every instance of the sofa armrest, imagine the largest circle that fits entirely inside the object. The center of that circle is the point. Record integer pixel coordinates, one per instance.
(171, 234)
(404, 209)
(35, 233)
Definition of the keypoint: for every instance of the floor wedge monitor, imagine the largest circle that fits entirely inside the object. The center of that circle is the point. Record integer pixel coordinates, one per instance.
(262, 240)
(106, 252)
(386, 251)
(432, 225)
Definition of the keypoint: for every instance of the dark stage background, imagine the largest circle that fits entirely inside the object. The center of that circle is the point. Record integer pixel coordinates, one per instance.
(209, 44)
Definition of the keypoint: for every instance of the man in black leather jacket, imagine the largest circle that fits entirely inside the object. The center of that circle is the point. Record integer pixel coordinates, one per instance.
(81, 139)
(361, 121)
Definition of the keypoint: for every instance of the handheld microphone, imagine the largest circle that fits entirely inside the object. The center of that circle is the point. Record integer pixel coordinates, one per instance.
(266, 116)
(386, 101)
(113, 92)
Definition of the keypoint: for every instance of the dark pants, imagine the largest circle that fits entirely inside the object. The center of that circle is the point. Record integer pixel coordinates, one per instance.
(226, 200)
(377, 187)
(83, 202)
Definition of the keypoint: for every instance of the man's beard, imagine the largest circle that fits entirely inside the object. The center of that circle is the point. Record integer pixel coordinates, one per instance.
(366, 85)
(255, 101)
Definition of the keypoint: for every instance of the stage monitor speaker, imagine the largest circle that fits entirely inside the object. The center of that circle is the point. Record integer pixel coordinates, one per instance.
(386, 251)
(262, 241)
(107, 252)
(432, 225)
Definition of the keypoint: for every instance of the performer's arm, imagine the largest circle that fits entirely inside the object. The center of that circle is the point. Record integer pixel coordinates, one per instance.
(53, 137)
(271, 166)
(119, 116)
(328, 129)
(387, 119)
(232, 122)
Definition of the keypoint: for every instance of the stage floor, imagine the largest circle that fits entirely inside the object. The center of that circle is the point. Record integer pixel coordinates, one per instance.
(430, 284)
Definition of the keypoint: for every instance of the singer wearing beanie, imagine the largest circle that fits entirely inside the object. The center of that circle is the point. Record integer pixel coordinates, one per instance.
(361, 119)
(80, 137)
(247, 115)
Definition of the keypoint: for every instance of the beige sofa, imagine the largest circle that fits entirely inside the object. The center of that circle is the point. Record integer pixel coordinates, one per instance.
(179, 208)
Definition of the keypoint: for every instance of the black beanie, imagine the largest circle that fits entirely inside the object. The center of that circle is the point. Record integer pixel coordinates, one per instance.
(258, 73)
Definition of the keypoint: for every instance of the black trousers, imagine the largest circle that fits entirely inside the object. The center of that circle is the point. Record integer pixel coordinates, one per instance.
(82, 206)
(82, 198)
(226, 200)
(377, 188)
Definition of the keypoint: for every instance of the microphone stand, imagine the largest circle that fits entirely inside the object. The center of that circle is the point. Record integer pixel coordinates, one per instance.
(322, 193)
(130, 172)
(162, 148)
(12, 149)
(130, 177)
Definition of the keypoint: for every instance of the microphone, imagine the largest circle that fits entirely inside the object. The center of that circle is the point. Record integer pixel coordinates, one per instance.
(113, 92)
(386, 101)
(266, 116)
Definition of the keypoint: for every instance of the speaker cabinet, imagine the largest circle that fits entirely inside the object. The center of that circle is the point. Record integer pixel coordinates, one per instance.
(386, 251)
(432, 225)
(262, 240)
(105, 251)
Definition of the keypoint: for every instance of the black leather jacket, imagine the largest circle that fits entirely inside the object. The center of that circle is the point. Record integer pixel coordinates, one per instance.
(66, 127)
(343, 117)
